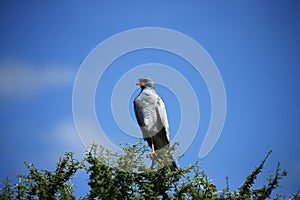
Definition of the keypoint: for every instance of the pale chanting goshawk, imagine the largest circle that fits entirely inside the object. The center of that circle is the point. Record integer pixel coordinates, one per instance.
(152, 118)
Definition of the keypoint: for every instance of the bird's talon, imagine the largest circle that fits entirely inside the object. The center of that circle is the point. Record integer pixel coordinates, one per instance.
(152, 155)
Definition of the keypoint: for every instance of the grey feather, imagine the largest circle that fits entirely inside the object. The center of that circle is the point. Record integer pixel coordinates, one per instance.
(151, 115)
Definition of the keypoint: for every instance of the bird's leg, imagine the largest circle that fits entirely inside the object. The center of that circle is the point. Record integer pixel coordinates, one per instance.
(153, 153)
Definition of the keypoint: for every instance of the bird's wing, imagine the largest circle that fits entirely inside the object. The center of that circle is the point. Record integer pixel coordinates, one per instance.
(138, 114)
(162, 118)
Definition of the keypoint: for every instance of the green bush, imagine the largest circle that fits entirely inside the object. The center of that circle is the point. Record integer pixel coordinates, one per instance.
(124, 175)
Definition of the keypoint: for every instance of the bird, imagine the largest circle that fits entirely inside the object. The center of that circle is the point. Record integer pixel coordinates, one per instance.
(151, 115)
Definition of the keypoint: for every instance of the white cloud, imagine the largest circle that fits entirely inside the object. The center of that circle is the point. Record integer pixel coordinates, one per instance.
(64, 134)
(47, 148)
(20, 79)
(61, 138)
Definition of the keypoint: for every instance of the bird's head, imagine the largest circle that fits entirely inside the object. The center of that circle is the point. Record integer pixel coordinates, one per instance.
(145, 82)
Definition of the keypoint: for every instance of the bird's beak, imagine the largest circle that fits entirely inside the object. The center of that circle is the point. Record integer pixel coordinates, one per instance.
(139, 82)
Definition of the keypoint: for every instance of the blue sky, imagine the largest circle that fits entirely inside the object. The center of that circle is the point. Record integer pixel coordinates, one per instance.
(254, 44)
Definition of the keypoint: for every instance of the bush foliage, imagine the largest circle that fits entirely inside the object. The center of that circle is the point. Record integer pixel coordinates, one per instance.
(124, 175)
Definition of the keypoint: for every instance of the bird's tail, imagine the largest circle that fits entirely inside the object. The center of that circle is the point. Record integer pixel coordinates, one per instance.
(173, 165)
(164, 159)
